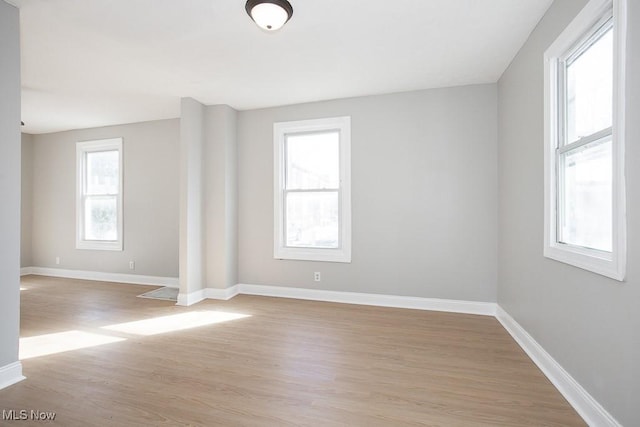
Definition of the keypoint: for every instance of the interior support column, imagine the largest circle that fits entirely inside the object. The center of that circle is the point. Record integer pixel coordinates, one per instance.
(191, 202)
(220, 175)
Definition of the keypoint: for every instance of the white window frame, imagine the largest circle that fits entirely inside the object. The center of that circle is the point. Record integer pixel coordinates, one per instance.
(280, 132)
(82, 148)
(611, 264)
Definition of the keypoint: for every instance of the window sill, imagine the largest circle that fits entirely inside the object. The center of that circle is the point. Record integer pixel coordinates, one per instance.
(587, 259)
(99, 246)
(323, 255)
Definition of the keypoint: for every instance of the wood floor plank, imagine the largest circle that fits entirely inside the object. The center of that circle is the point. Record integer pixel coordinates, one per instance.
(288, 363)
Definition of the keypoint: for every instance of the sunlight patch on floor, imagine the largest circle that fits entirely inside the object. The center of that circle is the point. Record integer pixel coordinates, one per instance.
(43, 345)
(175, 322)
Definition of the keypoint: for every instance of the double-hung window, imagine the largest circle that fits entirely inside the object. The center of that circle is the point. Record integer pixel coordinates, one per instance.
(99, 194)
(584, 139)
(312, 190)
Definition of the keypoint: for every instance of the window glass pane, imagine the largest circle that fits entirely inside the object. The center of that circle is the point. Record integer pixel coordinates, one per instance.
(102, 172)
(312, 219)
(590, 90)
(586, 202)
(313, 160)
(101, 218)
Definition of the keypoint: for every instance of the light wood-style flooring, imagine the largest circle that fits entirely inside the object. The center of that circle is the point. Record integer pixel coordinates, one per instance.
(287, 363)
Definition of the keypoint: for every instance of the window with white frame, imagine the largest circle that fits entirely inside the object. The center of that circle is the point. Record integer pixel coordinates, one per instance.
(312, 190)
(584, 141)
(99, 194)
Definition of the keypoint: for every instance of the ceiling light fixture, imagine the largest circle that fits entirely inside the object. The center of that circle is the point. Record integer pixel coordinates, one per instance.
(270, 15)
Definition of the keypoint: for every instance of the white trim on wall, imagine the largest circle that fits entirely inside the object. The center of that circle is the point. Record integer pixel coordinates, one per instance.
(134, 279)
(584, 404)
(221, 294)
(207, 293)
(186, 300)
(11, 374)
(417, 303)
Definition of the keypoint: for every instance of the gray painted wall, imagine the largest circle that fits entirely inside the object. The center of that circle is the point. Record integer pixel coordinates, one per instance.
(26, 202)
(588, 323)
(424, 185)
(151, 185)
(9, 183)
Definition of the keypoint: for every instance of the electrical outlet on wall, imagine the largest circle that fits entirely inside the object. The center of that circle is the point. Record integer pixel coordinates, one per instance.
(57, 260)
(132, 265)
(316, 276)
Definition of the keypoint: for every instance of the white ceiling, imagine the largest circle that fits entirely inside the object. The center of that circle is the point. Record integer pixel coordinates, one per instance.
(88, 63)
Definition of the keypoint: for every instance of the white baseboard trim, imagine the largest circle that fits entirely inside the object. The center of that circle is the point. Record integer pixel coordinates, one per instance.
(134, 279)
(195, 297)
(187, 299)
(25, 271)
(222, 294)
(10, 374)
(417, 303)
(584, 404)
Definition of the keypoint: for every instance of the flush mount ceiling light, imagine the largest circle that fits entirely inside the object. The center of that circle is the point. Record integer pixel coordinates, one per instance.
(270, 15)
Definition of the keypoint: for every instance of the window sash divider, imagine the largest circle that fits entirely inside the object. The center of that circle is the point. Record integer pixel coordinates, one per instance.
(312, 190)
(602, 134)
(100, 194)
